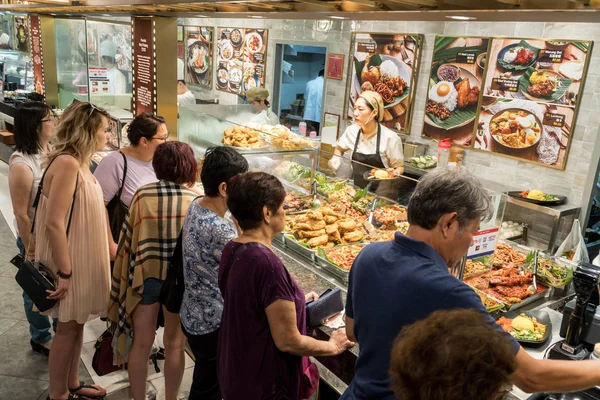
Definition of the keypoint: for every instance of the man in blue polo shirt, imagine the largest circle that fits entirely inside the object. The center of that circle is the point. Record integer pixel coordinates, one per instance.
(394, 284)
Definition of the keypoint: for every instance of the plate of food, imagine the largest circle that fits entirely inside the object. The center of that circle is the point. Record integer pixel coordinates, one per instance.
(222, 76)
(543, 85)
(452, 103)
(226, 50)
(378, 174)
(557, 44)
(249, 78)
(515, 128)
(254, 42)
(385, 75)
(481, 60)
(527, 326)
(198, 58)
(243, 138)
(518, 57)
(538, 197)
(236, 37)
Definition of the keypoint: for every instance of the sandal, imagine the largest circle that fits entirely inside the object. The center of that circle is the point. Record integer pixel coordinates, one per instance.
(71, 397)
(83, 385)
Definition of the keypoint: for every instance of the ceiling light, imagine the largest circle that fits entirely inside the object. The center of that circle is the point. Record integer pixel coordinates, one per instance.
(336, 17)
(256, 16)
(460, 17)
(201, 16)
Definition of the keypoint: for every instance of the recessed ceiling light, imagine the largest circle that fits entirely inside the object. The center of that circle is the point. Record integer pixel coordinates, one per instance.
(337, 17)
(256, 16)
(201, 16)
(460, 17)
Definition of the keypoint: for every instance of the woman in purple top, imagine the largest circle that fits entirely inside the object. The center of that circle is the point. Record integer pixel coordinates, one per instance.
(263, 326)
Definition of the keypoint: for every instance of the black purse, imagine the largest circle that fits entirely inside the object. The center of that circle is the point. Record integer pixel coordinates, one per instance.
(117, 210)
(171, 293)
(329, 303)
(35, 282)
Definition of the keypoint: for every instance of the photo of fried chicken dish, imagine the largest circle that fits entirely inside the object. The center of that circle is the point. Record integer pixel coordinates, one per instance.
(467, 95)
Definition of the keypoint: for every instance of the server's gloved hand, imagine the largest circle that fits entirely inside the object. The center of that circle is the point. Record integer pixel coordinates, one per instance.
(335, 162)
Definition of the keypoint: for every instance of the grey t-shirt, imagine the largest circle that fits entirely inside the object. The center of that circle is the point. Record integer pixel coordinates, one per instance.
(109, 174)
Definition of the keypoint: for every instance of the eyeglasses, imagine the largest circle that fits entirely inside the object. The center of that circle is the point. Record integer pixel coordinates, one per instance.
(164, 138)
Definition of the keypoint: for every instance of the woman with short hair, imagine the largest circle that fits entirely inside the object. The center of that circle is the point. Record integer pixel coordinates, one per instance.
(35, 126)
(263, 327)
(145, 249)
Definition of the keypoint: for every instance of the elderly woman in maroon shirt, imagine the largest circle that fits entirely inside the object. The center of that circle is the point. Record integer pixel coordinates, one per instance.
(263, 327)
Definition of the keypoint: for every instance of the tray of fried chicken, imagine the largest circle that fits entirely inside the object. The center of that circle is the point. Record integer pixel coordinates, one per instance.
(507, 281)
(324, 228)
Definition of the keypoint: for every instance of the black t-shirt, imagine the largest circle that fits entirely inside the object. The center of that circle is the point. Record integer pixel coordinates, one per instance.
(392, 285)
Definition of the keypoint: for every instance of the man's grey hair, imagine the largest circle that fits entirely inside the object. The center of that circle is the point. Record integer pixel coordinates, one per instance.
(447, 190)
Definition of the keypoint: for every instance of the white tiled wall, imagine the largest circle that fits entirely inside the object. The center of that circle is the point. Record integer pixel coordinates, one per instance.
(518, 174)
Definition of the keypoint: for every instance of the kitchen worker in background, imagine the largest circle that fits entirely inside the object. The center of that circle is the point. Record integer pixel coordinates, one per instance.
(257, 97)
(108, 52)
(372, 145)
(313, 95)
(185, 97)
(4, 41)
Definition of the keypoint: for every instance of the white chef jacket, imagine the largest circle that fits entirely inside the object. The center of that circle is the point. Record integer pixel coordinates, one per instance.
(390, 145)
(118, 84)
(313, 97)
(266, 117)
(186, 99)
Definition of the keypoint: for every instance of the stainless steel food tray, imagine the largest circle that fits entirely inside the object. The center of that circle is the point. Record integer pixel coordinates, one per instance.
(280, 238)
(292, 244)
(332, 268)
(527, 301)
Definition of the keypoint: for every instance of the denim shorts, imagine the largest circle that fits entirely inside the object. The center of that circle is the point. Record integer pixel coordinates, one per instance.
(152, 288)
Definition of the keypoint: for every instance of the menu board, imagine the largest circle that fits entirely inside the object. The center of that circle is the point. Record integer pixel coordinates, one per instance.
(199, 56)
(532, 93)
(454, 93)
(242, 59)
(386, 64)
(36, 54)
(144, 66)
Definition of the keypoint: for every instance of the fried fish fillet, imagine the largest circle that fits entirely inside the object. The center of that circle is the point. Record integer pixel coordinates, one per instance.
(314, 214)
(327, 211)
(354, 236)
(347, 225)
(310, 225)
(330, 219)
(318, 241)
(311, 234)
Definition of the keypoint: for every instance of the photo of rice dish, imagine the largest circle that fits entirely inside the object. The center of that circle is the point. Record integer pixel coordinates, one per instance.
(444, 94)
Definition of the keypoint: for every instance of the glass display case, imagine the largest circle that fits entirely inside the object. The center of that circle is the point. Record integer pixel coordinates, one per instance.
(329, 217)
(97, 66)
(16, 70)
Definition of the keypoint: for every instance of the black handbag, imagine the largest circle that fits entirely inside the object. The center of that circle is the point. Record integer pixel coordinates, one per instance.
(171, 293)
(35, 282)
(329, 303)
(117, 210)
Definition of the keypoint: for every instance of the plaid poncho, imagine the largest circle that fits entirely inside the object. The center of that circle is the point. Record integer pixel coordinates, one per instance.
(146, 245)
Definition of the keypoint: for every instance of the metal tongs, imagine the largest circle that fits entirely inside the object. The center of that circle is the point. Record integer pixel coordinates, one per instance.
(373, 206)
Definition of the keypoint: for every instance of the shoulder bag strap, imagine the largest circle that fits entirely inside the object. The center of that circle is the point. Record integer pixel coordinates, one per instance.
(124, 174)
(39, 193)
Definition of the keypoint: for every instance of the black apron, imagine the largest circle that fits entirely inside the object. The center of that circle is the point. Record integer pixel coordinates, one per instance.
(371, 161)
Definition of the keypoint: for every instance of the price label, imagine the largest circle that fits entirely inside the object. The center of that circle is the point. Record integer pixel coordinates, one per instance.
(366, 47)
(484, 243)
(509, 85)
(556, 56)
(465, 58)
(552, 119)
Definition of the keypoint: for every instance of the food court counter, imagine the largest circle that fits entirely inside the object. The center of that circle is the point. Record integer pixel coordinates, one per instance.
(338, 372)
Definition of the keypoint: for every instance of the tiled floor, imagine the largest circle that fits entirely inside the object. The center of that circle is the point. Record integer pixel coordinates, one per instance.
(23, 373)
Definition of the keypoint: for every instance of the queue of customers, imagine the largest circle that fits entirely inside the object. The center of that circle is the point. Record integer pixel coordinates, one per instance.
(242, 313)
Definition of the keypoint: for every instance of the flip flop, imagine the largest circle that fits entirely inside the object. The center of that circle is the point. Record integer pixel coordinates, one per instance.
(83, 385)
